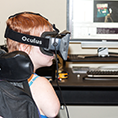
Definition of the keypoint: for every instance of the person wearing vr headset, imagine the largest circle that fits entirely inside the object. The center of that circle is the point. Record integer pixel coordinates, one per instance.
(35, 25)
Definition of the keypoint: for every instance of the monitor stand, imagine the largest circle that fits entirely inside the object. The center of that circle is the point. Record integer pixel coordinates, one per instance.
(103, 52)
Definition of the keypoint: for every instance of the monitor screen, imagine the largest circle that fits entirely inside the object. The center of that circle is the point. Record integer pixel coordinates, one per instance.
(93, 19)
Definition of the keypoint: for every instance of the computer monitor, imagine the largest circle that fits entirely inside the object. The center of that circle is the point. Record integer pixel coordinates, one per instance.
(93, 23)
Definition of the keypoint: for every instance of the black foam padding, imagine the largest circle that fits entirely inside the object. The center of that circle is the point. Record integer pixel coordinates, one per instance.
(2, 52)
(15, 66)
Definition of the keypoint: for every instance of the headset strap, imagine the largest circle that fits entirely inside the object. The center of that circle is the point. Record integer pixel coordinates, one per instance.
(27, 39)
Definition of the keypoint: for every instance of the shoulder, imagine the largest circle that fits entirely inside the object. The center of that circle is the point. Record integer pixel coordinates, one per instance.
(39, 82)
(45, 96)
(36, 78)
(42, 90)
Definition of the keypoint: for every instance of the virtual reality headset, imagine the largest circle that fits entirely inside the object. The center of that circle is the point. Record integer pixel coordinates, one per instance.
(48, 42)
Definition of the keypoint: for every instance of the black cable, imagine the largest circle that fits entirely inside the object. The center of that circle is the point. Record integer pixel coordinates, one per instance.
(55, 44)
(113, 53)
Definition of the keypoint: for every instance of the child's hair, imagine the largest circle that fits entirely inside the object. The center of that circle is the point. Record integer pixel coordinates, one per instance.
(27, 23)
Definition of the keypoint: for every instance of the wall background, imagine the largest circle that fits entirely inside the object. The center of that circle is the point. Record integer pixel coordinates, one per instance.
(53, 10)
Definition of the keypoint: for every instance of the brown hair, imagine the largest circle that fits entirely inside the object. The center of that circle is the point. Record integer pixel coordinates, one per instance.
(27, 23)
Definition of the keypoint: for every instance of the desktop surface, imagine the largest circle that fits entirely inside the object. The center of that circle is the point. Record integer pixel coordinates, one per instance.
(77, 80)
(78, 91)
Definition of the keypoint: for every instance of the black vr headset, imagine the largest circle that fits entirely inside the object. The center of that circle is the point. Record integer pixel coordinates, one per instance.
(48, 42)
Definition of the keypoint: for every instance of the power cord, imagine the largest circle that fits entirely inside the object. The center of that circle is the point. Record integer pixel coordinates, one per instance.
(55, 44)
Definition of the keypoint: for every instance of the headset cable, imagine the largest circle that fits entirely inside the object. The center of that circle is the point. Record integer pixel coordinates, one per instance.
(55, 44)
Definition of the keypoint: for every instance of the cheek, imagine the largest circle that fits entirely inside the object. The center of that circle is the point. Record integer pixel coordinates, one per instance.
(42, 58)
(48, 59)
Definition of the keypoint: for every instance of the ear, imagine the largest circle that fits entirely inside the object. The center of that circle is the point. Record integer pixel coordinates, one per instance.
(25, 48)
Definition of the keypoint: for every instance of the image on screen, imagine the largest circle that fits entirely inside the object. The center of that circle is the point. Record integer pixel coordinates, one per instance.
(93, 19)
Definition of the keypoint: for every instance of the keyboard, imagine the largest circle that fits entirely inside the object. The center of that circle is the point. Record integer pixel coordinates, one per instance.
(101, 73)
(104, 70)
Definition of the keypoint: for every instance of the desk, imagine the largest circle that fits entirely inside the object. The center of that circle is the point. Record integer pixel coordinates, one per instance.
(77, 91)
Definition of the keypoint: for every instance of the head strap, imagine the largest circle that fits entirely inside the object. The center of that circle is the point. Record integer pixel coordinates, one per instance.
(27, 39)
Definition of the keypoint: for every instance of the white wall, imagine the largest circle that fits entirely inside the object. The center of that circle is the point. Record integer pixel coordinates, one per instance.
(54, 10)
